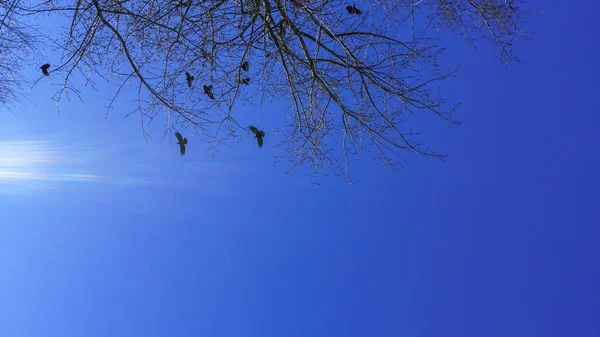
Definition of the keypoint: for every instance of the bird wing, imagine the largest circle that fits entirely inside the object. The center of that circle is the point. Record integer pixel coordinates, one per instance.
(260, 141)
(208, 91)
(178, 135)
(182, 149)
(187, 75)
(253, 129)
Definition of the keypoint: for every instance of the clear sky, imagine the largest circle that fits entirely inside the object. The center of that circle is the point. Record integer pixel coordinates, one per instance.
(102, 234)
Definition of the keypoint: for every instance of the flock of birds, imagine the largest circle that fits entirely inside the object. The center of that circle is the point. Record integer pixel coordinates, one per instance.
(208, 89)
(182, 142)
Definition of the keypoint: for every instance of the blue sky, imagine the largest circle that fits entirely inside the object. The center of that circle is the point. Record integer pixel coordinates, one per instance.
(102, 234)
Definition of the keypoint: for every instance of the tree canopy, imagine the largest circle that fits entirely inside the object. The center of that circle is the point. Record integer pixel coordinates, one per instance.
(348, 73)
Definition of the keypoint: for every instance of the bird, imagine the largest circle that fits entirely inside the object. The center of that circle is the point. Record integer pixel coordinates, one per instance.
(45, 69)
(204, 53)
(182, 142)
(208, 91)
(183, 4)
(245, 81)
(189, 79)
(298, 3)
(245, 66)
(353, 10)
(258, 134)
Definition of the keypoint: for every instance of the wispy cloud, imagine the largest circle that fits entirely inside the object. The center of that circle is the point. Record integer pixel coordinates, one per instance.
(22, 161)
(31, 164)
(13, 176)
(51, 165)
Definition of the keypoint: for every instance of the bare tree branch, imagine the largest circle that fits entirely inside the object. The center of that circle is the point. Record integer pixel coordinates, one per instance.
(352, 78)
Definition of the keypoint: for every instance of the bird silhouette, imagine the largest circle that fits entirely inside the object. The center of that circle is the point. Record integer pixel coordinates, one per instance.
(204, 53)
(183, 4)
(245, 81)
(45, 69)
(182, 142)
(208, 91)
(189, 79)
(258, 134)
(245, 66)
(353, 10)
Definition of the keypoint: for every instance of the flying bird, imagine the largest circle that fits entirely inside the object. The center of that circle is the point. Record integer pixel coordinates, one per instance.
(258, 134)
(45, 69)
(245, 66)
(184, 4)
(189, 79)
(182, 142)
(245, 81)
(353, 10)
(298, 3)
(204, 53)
(208, 91)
